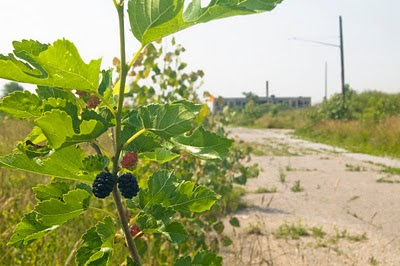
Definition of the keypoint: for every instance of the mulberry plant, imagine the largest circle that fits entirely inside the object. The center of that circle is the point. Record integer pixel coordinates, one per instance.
(77, 102)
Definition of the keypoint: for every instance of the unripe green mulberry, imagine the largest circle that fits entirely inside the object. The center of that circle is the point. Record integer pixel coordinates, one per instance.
(103, 185)
(128, 185)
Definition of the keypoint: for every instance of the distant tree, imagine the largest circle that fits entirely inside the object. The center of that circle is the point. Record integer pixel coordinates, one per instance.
(250, 96)
(11, 87)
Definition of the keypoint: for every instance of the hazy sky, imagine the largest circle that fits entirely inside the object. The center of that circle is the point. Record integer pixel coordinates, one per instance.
(239, 54)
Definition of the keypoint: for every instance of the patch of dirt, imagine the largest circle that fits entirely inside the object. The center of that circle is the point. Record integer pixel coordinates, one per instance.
(359, 216)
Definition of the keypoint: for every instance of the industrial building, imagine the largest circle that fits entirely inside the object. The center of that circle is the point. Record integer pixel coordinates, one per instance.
(240, 102)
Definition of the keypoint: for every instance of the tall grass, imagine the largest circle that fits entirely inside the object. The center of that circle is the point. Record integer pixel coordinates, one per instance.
(374, 137)
(287, 119)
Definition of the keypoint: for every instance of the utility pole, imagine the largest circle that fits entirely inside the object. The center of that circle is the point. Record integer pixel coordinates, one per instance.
(340, 46)
(267, 88)
(326, 81)
(342, 60)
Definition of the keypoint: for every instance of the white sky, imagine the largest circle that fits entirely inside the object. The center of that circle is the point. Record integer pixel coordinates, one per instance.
(239, 54)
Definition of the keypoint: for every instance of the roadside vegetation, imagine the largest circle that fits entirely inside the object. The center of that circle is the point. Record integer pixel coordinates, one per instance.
(368, 122)
(204, 231)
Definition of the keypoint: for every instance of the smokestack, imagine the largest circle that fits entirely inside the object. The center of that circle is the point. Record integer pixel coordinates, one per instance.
(267, 88)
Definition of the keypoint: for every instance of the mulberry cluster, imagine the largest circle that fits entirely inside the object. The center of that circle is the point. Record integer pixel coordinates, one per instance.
(103, 185)
(129, 160)
(128, 185)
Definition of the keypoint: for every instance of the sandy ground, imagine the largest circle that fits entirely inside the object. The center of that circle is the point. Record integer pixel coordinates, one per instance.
(359, 216)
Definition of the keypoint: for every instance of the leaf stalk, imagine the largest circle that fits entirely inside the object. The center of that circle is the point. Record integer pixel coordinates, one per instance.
(137, 134)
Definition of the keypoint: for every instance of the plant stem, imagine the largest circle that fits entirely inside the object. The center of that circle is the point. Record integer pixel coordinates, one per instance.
(125, 227)
(118, 146)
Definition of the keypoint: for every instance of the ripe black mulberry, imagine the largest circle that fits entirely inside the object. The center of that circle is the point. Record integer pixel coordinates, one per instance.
(103, 185)
(128, 185)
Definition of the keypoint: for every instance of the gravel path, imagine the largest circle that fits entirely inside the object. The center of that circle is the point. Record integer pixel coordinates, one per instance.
(349, 206)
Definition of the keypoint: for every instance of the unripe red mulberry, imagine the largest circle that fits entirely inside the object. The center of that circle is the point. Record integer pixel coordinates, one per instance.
(81, 93)
(135, 231)
(129, 160)
(93, 102)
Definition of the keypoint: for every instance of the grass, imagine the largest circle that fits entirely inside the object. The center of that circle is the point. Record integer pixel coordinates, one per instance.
(266, 189)
(282, 176)
(276, 149)
(297, 187)
(317, 232)
(371, 137)
(293, 231)
(373, 261)
(387, 180)
(289, 168)
(391, 170)
(288, 119)
(253, 229)
(355, 168)
(232, 201)
(343, 234)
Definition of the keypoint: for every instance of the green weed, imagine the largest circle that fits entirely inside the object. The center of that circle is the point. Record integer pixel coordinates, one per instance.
(253, 229)
(266, 189)
(293, 231)
(355, 168)
(282, 176)
(391, 170)
(297, 187)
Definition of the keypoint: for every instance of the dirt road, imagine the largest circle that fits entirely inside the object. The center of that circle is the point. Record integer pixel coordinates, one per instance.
(331, 207)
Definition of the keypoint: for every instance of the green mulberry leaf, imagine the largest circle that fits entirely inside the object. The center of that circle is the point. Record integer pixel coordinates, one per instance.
(147, 223)
(184, 196)
(45, 93)
(154, 19)
(54, 190)
(161, 213)
(97, 245)
(57, 126)
(159, 155)
(49, 215)
(21, 104)
(160, 187)
(95, 163)
(63, 105)
(175, 232)
(204, 144)
(65, 163)
(167, 120)
(28, 230)
(193, 198)
(58, 65)
(56, 212)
